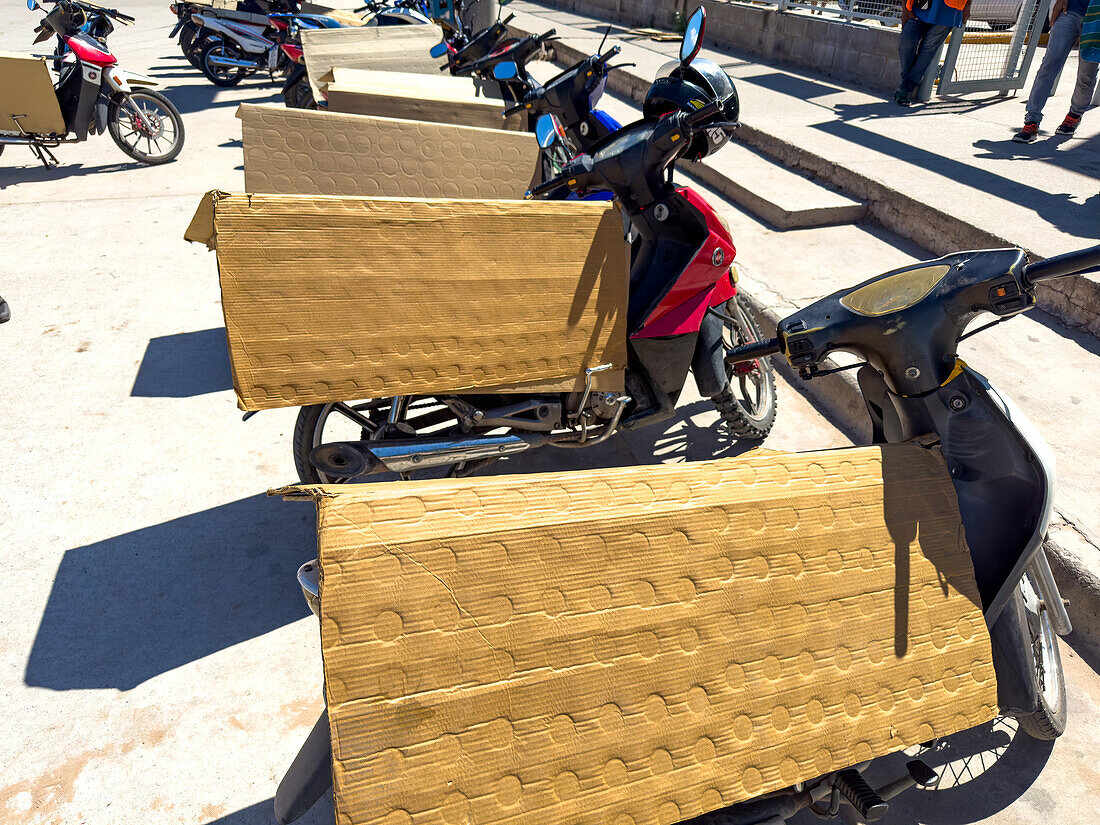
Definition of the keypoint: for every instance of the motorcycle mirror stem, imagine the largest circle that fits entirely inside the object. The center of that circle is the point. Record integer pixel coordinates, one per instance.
(599, 49)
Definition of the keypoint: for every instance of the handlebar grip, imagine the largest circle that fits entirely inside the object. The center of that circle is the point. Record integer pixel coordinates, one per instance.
(610, 53)
(512, 110)
(1071, 263)
(542, 38)
(546, 186)
(699, 115)
(508, 19)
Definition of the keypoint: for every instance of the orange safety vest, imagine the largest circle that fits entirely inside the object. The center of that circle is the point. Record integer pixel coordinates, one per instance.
(957, 5)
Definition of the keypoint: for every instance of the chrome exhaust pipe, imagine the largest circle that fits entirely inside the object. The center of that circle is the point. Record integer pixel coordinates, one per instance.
(349, 459)
(230, 62)
(15, 141)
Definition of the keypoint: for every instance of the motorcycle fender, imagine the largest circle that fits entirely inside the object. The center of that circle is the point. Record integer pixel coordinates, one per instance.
(121, 80)
(100, 122)
(1014, 660)
(177, 27)
(708, 365)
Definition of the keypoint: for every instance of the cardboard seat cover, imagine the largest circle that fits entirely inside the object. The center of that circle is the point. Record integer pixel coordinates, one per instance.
(27, 96)
(330, 299)
(388, 48)
(440, 99)
(642, 644)
(296, 151)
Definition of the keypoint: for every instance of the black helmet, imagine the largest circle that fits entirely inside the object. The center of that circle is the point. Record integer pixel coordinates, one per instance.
(685, 88)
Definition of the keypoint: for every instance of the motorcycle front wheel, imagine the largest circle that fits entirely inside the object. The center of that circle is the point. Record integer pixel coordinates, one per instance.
(223, 76)
(1049, 721)
(747, 404)
(299, 95)
(145, 118)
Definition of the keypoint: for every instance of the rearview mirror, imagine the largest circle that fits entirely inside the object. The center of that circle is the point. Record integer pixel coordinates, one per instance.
(505, 70)
(693, 36)
(32, 5)
(547, 130)
(438, 50)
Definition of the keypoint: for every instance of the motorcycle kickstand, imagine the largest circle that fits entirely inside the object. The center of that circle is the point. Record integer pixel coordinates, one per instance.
(44, 155)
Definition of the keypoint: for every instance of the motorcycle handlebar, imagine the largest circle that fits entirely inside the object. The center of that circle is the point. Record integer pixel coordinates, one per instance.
(606, 56)
(750, 352)
(1071, 263)
(519, 107)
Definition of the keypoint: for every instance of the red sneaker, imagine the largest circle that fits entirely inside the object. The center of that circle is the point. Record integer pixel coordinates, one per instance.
(1069, 125)
(1029, 134)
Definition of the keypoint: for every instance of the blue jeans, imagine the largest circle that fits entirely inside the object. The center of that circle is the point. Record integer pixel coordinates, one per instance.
(917, 45)
(1063, 35)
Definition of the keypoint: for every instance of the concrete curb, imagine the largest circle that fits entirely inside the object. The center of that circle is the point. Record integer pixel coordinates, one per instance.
(1074, 554)
(1074, 301)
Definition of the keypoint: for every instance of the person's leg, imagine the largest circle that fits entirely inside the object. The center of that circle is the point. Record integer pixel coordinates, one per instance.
(1086, 85)
(929, 45)
(909, 46)
(1063, 34)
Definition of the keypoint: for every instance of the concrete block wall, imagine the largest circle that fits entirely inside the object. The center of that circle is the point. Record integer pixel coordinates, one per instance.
(867, 55)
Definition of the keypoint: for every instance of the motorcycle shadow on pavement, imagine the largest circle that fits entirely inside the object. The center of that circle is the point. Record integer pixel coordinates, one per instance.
(262, 813)
(137, 605)
(184, 365)
(35, 172)
(982, 771)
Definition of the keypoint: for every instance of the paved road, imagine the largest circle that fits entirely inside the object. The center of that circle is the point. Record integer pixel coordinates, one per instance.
(158, 661)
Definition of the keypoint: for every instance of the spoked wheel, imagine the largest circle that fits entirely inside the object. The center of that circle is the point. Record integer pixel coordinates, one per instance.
(373, 420)
(223, 76)
(747, 404)
(1049, 721)
(146, 126)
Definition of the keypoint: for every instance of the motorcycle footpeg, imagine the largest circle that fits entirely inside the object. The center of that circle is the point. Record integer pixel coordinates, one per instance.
(865, 799)
(917, 773)
(342, 459)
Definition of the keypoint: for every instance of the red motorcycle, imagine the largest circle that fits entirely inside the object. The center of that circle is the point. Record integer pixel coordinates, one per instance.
(683, 314)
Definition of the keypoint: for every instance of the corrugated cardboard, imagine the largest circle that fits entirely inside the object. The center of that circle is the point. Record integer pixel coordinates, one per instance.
(296, 151)
(442, 99)
(26, 88)
(641, 644)
(389, 48)
(330, 299)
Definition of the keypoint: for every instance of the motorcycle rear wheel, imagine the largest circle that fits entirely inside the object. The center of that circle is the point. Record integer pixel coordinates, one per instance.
(1049, 721)
(162, 126)
(748, 402)
(223, 76)
(325, 423)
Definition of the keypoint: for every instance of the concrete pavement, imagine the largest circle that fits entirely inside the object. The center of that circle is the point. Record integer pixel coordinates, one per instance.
(156, 655)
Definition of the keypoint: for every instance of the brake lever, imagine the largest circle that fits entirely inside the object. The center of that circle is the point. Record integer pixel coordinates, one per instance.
(621, 66)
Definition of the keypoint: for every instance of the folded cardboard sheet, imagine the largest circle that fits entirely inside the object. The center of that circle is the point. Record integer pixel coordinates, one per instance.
(330, 299)
(27, 97)
(641, 644)
(385, 48)
(440, 99)
(295, 151)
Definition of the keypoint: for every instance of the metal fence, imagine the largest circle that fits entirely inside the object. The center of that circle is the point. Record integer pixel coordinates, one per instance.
(985, 15)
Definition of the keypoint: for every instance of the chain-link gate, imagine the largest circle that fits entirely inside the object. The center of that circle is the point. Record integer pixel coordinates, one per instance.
(993, 62)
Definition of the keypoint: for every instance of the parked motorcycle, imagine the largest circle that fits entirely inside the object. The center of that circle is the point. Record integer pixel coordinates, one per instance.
(193, 38)
(94, 95)
(242, 49)
(905, 325)
(683, 315)
(461, 47)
